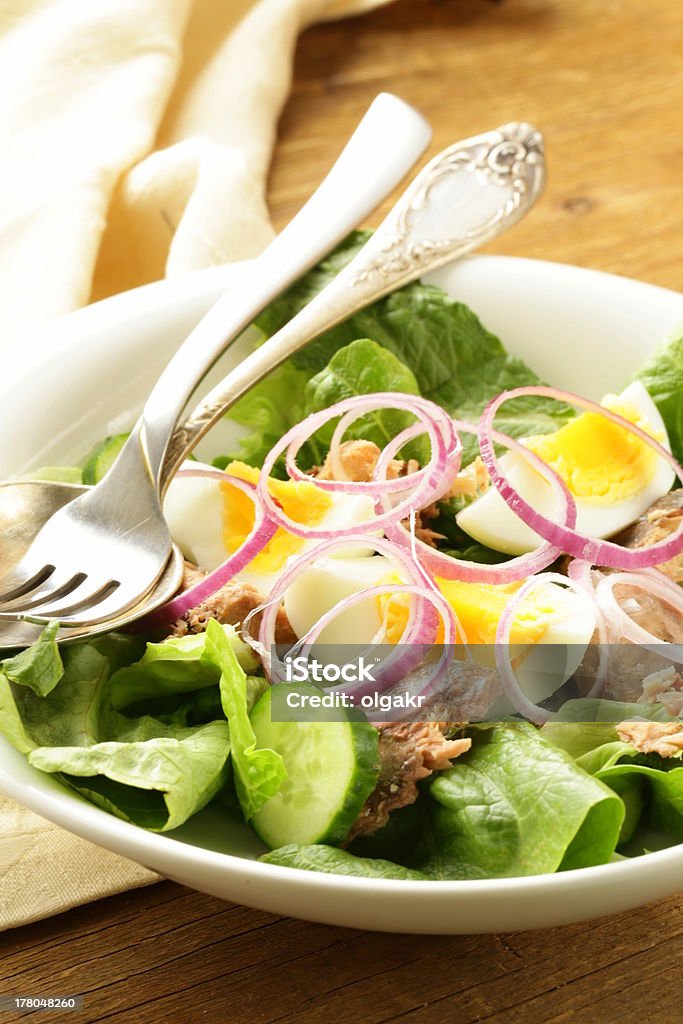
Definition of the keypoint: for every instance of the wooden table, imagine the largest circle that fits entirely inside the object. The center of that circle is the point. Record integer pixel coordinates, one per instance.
(604, 80)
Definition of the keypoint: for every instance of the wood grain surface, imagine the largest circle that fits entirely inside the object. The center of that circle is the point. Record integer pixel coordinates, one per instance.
(603, 79)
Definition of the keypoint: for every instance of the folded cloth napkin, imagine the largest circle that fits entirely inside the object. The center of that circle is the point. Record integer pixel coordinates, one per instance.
(135, 137)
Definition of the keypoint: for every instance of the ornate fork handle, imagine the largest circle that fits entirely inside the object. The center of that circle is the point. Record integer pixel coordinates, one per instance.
(464, 197)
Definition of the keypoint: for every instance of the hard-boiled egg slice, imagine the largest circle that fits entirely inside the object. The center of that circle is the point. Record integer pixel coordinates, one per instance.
(549, 615)
(328, 580)
(613, 475)
(209, 519)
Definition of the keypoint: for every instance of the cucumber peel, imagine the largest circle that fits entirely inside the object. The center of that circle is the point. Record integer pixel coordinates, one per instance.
(332, 767)
(102, 458)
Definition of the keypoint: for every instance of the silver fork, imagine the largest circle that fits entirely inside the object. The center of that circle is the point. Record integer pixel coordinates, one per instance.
(464, 197)
(102, 551)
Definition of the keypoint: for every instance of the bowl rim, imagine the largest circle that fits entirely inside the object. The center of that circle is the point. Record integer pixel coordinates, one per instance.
(72, 812)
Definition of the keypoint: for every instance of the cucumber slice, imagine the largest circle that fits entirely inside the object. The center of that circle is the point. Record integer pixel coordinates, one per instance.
(102, 458)
(332, 768)
(57, 474)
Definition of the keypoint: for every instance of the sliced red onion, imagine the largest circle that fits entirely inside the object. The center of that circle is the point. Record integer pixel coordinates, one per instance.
(263, 531)
(411, 653)
(511, 687)
(515, 569)
(581, 572)
(422, 622)
(435, 413)
(440, 479)
(565, 537)
(433, 420)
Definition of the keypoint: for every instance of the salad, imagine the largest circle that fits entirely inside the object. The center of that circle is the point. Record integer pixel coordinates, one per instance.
(403, 485)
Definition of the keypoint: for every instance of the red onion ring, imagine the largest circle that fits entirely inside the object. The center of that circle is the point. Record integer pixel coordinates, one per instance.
(518, 568)
(511, 687)
(431, 416)
(262, 532)
(435, 412)
(420, 628)
(381, 546)
(597, 552)
(394, 668)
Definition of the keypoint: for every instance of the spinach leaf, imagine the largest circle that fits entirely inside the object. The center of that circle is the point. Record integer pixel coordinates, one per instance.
(331, 861)
(662, 375)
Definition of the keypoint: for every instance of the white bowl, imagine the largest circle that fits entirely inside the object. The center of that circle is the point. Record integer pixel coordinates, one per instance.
(579, 329)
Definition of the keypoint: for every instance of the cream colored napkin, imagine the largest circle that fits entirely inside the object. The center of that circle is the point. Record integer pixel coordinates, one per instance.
(135, 139)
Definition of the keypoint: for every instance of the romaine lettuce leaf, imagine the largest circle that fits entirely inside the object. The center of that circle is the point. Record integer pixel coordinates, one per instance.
(11, 725)
(259, 773)
(362, 368)
(172, 666)
(651, 784)
(268, 410)
(454, 359)
(154, 773)
(39, 666)
(156, 781)
(591, 710)
(331, 861)
(515, 805)
(662, 375)
(77, 711)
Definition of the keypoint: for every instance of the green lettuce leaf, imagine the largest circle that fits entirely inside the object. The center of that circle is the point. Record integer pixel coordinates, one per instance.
(11, 725)
(515, 805)
(454, 359)
(268, 411)
(362, 368)
(589, 710)
(662, 375)
(77, 711)
(39, 666)
(174, 666)
(157, 782)
(663, 804)
(456, 542)
(651, 786)
(331, 861)
(259, 773)
(153, 773)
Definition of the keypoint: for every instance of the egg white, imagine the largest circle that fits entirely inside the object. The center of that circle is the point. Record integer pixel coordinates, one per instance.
(194, 511)
(490, 521)
(569, 621)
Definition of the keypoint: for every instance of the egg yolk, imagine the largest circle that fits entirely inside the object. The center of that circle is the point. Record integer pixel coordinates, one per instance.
(598, 459)
(478, 607)
(301, 501)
